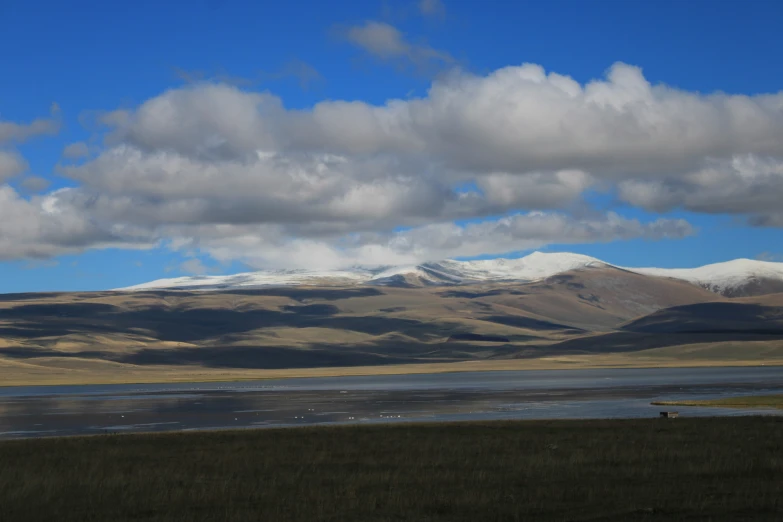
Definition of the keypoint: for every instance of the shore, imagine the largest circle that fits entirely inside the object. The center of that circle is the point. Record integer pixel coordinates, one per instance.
(748, 401)
(85, 372)
(717, 469)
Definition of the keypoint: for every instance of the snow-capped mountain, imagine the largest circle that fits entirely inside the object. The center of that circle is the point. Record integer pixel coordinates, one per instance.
(264, 278)
(736, 278)
(533, 267)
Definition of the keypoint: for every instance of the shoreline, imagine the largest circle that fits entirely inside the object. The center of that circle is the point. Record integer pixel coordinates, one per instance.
(755, 402)
(409, 424)
(173, 375)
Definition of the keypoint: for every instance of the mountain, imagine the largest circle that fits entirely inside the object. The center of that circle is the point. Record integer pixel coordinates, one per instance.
(592, 309)
(738, 278)
(533, 267)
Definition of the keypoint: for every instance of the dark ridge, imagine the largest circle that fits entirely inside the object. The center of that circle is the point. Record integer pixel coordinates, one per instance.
(313, 309)
(528, 322)
(27, 296)
(750, 331)
(466, 294)
(299, 294)
(711, 317)
(479, 338)
(629, 342)
(57, 310)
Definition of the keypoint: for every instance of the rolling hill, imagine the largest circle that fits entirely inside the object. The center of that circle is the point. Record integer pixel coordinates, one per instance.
(592, 309)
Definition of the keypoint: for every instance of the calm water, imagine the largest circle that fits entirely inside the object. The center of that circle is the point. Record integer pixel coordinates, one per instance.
(70, 410)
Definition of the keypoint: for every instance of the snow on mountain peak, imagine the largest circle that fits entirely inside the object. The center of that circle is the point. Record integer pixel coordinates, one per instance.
(728, 278)
(533, 267)
(721, 277)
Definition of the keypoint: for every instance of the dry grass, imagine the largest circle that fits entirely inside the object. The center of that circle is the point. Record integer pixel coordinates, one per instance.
(754, 401)
(73, 371)
(646, 470)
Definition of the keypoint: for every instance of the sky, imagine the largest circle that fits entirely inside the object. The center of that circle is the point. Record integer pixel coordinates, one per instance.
(142, 140)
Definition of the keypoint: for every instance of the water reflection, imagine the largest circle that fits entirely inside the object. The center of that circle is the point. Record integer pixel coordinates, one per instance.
(44, 411)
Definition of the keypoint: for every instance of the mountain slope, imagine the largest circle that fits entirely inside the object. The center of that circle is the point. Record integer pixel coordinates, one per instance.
(597, 299)
(590, 310)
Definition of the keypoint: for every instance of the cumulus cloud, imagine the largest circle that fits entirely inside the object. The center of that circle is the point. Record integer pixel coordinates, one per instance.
(21, 132)
(744, 184)
(386, 42)
(76, 150)
(45, 226)
(234, 173)
(11, 164)
(517, 119)
(171, 188)
(210, 121)
(536, 189)
(274, 246)
(35, 184)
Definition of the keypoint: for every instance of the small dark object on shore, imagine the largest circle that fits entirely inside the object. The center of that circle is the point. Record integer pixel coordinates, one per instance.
(670, 414)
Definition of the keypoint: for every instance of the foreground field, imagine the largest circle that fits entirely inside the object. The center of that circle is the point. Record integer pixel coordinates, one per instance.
(756, 401)
(688, 469)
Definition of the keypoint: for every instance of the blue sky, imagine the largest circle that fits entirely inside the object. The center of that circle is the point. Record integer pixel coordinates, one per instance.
(92, 58)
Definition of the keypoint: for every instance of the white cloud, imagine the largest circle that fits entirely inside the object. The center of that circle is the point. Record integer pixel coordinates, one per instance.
(11, 164)
(194, 266)
(520, 119)
(234, 173)
(169, 188)
(743, 184)
(386, 42)
(209, 121)
(35, 184)
(20, 132)
(517, 119)
(538, 189)
(46, 226)
(272, 246)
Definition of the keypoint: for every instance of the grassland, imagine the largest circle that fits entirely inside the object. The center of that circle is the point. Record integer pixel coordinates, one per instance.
(652, 469)
(77, 372)
(753, 401)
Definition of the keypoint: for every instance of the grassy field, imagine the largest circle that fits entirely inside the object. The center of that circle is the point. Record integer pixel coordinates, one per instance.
(755, 401)
(653, 469)
(78, 371)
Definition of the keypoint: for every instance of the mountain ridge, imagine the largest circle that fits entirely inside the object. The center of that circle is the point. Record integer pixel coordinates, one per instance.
(735, 278)
(530, 268)
(594, 311)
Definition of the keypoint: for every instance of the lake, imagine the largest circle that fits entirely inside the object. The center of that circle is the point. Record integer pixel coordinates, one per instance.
(36, 411)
